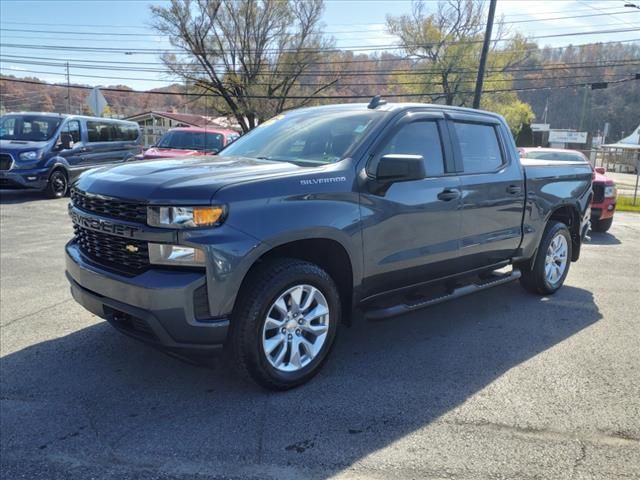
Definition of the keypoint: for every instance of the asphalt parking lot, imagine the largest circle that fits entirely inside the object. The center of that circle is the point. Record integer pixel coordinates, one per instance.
(502, 384)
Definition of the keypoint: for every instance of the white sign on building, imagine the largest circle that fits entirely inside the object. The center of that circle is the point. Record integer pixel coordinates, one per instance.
(540, 127)
(564, 136)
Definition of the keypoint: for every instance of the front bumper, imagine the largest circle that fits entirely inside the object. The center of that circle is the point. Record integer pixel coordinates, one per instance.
(24, 179)
(157, 306)
(603, 210)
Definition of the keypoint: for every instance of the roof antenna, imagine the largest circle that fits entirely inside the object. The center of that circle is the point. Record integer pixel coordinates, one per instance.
(376, 102)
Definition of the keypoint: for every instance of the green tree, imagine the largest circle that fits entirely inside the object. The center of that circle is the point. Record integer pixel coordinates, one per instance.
(446, 47)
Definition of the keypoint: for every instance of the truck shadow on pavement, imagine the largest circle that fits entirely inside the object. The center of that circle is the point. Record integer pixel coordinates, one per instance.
(604, 239)
(98, 397)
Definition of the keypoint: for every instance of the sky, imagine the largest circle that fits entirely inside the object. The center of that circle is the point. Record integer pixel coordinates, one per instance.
(26, 26)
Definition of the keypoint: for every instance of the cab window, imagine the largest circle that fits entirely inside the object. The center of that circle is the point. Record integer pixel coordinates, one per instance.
(416, 138)
(479, 147)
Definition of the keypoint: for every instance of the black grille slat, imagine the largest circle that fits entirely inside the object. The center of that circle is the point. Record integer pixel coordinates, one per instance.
(5, 162)
(598, 192)
(109, 207)
(112, 252)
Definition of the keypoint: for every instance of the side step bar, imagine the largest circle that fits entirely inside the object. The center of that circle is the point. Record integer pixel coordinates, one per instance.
(392, 311)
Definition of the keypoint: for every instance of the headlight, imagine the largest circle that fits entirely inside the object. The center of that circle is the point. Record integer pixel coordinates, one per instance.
(185, 217)
(176, 255)
(31, 156)
(610, 191)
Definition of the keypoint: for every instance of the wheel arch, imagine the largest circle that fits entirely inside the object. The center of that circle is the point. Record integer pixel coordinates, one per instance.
(570, 216)
(328, 253)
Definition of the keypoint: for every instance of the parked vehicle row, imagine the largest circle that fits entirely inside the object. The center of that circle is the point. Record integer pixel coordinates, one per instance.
(268, 246)
(47, 151)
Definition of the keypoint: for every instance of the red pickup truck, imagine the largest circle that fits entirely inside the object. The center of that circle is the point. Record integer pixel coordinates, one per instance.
(605, 194)
(190, 141)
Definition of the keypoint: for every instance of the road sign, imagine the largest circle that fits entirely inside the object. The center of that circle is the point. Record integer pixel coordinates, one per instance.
(540, 127)
(96, 102)
(563, 136)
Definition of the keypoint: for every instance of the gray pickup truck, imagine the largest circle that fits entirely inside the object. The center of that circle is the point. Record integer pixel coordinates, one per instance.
(270, 245)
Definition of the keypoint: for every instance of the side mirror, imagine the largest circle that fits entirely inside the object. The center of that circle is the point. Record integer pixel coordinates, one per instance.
(400, 168)
(396, 168)
(66, 141)
(600, 170)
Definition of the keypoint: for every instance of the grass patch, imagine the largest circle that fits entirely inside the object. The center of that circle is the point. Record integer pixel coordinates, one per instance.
(625, 204)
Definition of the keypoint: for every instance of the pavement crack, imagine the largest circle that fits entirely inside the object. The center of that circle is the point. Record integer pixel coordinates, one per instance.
(12, 321)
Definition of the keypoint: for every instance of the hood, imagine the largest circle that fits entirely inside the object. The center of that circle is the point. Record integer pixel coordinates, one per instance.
(18, 146)
(154, 152)
(600, 178)
(178, 181)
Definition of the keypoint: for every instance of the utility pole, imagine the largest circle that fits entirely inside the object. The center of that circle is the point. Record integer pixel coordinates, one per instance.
(68, 90)
(485, 52)
(584, 107)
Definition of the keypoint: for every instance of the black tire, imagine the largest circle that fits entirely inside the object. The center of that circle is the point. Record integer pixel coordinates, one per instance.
(261, 289)
(58, 185)
(601, 225)
(534, 280)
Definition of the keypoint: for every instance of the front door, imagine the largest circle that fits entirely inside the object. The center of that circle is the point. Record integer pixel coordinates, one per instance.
(75, 155)
(411, 231)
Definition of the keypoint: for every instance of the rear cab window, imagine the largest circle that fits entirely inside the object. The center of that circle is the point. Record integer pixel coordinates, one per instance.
(479, 146)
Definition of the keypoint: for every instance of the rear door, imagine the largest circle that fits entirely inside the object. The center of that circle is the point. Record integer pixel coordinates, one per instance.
(493, 190)
(411, 230)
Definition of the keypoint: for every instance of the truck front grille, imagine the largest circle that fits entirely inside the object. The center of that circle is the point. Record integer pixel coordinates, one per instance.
(5, 162)
(109, 207)
(124, 255)
(598, 192)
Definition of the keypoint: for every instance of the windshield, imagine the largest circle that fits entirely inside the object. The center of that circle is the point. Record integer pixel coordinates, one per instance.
(185, 140)
(32, 128)
(562, 156)
(309, 137)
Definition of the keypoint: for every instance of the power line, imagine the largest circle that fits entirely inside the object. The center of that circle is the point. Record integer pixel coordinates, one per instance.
(332, 62)
(340, 84)
(347, 32)
(414, 71)
(324, 97)
(515, 15)
(151, 51)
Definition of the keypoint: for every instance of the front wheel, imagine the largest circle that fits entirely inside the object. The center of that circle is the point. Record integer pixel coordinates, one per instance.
(552, 261)
(58, 185)
(284, 323)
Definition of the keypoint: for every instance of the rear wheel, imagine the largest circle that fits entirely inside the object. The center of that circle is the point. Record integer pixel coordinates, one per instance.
(58, 185)
(285, 323)
(552, 261)
(601, 225)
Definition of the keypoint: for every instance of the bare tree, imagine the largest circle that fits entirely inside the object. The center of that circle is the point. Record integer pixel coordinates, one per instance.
(249, 53)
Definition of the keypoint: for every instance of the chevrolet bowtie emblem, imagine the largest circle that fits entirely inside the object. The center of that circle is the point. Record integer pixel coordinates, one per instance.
(131, 248)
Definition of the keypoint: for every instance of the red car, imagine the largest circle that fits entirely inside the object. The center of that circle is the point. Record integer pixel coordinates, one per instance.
(182, 142)
(605, 194)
